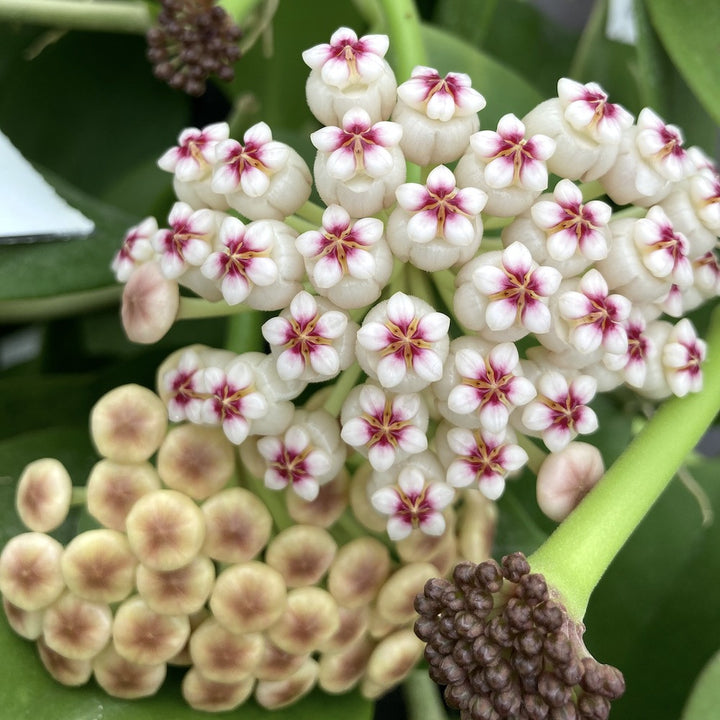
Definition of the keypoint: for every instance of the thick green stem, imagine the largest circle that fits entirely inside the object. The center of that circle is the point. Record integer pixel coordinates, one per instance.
(312, 213)
(194, 308)
(403, 24)
(422, 697)
(343, 385)
(56, 306)
(244, 333)
(575, 556)
(101, 15)
(274, 501)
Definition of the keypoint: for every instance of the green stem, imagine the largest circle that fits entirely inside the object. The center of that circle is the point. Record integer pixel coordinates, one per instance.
(312, 213)
(57, 306)
(594, 28)
(422, 697)
(194, 308)
(490, 222)
(274, 501)
(345, 382)
(101, 15)
(536, 455)
(78, 496)
(299, 224)
(243, 332)
(403, 24)
(575, 556)
(444, 282)
(591, 190)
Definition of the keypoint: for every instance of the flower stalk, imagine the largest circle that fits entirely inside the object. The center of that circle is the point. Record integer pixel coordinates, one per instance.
(404, 30)
(576, 555)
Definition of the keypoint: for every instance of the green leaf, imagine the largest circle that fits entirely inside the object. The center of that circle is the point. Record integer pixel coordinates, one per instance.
(689, 31)
(705, 697)
(43, 270)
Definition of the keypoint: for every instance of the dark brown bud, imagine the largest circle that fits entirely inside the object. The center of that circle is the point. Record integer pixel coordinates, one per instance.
(515, 566)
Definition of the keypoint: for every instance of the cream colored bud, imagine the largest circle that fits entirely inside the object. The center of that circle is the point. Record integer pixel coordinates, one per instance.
(66, 671)
(113, 488)
(128, 423)
(183, 659)
(438, 550)
(341, 671)
(208, 696)
(390, 663)
(310, 619)
(30, 573)
(77, 628)
(122, 678)
(301, 554)
(196, 460)
(476, 526)
(248, 597)
(378, 626)
(143, 636)
(326, 508)
(177, 592)
(353, 624)
(360, 500)
(98, 565)
(238, 525)
(222, 656)
(565, 478)
(359, 569)
(166, 529)
(274, 694)
(276, 664)
(395, 601)
(27, 624)
(43, 495)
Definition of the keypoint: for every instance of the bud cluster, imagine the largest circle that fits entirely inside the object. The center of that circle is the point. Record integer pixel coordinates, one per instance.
(505, 648)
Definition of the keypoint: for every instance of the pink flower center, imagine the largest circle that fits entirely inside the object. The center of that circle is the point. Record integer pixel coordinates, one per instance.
(239, 257)
(518, 287)
(387, 428)
(566, 411)
(638, 345)
(405, 341)
(483, 460)
(413, 508)
(339, 244)
(228, 401)
(489, 386)
(292, 465)
(302, 337)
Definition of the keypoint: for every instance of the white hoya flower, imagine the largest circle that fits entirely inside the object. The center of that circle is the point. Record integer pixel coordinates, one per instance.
(347, 261)
(311, 340)
(360, 164)
(585, 126)
(261, 177)
(650, 160)
(632, 364)
(403, 343)
(349, 72)
(136, 249)
(437, 114)
(436, 225)
(191, 162)
(508, 165)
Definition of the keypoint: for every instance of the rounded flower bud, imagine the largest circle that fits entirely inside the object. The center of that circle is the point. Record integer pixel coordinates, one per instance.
(326, 508)
(394, 602)
(75, 628)
(391, 661)
(276, 664)
(43, 495)
(26, 623)
(207, 695)
(353, 624)
(275, 694)
(72, 673)
(177, 592)
(124, 679)
(358, 571)
(302, 554)
(340, 671)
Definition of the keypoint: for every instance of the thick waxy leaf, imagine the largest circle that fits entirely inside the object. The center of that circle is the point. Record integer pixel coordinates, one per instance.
(705, 697)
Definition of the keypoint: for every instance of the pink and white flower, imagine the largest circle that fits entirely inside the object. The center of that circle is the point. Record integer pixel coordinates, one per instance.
(180, 386)
(561, 410)
(242, 261)
(632, 364)
(595, 317)
(413, 503)
(516, 290)
(571, 225)
(293, 461)
(347, 261)
(384, 427)
(231, 399)
(308, 341)
(135, 250)
(705, 194)
(483, 459)
(662, 146)
(403, 343)
(188, 241)
(349, 72)
(682, 356)
(438, 215)
(261, 177)
(191, 159)
(488, 386)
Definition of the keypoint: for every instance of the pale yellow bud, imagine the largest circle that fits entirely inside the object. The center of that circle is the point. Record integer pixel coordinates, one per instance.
(390, 663)
(122, 678)
(30, 573)
(113, 488)
(208, 696)
(238, 525)
(76, 628)
(395, 601)
(222, 656)
(341, 671)
(98, 565)
(476, 526)
(248, 597)
(378, 626)
(274, 694)
(183, 659)
(326, 508)
(359, 569)
(360, 500)
(143, 636)
(128, 423)
(177, 592)
(301, 554)
(66, 671)
(276, 664)
(27, 624)
(196, 460)
(353, 623)
(43, 495)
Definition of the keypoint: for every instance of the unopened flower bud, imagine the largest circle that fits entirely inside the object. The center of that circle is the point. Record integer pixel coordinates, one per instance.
(276, 664)
(394, 601)
(43, 495)
(326, 508)
(248, 597)
(66, 671)
(98, 565)
(76, 628)
(26, 623)
(128, 423)
(565, 477)
(360, 503)
(358, 571)
(302, 554)
(30, 573)
(476, 525)
(390, 662)
(275, 694)
(124, 679)
(143, 636)
(203, 694)
(166, 529)
(353, 624)
(340, 671)
(136, 249)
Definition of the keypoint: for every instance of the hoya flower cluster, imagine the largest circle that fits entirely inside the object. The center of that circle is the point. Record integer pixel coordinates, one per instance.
(410, 357)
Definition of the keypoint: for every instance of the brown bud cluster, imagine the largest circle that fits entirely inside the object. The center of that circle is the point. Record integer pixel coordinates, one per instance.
(193, 39)
(504, 648)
